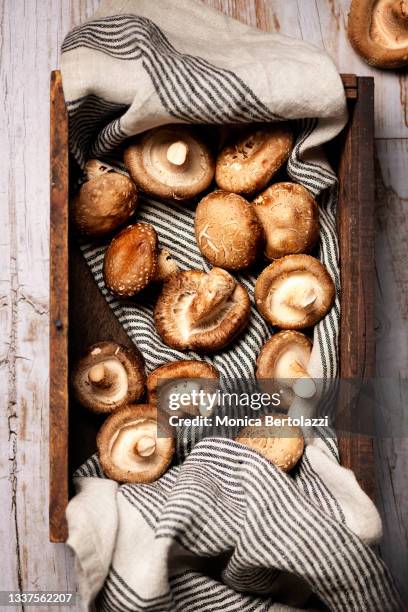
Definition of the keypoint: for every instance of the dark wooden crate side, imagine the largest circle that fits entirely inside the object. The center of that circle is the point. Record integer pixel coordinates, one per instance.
(92, 319)
(58, 419)
(356, 232)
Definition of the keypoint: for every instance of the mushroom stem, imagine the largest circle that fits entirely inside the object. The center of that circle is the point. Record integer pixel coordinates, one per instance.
(146, 446)
(177, 153)
(304, 386)
(302, 300)
(100, 376)
(95, 168)
(216, 289)
(166, 266)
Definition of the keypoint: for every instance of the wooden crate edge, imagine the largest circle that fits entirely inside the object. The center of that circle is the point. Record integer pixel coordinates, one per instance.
(58, 409)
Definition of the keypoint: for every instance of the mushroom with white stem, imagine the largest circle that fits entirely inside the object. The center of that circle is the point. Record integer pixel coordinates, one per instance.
(201, 311)
(186, 377)
(227, 230)
(105, 201)
(289, 217)
(281, 443)
(135, 444)
(250, 160)
(108, 376)
(294, 292)
(284, 359)
(171, 161)
(133, 260)
(378, 31)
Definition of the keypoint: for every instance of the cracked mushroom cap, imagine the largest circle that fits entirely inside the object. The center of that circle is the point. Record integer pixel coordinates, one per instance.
(108, 376)
(247, 164)
(378, 31)
(170, 162)
(282, 444)
(227, 230)
(289, 217)
(135, 444)
(294, 292)
(183, 378)
(201, 311)
(285, 358)
(105, 201)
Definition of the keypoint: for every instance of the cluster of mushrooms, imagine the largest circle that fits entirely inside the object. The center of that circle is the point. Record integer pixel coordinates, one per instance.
(243, 222)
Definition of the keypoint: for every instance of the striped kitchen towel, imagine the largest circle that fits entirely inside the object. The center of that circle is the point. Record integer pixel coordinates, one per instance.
(224, 529)
(227, 530)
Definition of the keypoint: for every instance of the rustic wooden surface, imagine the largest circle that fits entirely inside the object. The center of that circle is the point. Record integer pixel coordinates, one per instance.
(31, 34)
(58, 304)
(356, 238)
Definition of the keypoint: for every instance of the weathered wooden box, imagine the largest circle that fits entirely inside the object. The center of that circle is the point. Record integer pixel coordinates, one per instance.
(79, 315)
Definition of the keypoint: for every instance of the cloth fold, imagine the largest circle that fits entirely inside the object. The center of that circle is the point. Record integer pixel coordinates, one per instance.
(224, 529)
(227, 530)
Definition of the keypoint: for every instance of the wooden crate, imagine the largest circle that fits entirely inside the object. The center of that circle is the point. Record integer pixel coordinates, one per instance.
(80, 316)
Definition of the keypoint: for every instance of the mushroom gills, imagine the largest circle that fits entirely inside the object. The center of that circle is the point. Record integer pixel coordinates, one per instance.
(132, 451)
(294, 295)
(108, 380)
(188, 326)
(163, 159)
(290, 366)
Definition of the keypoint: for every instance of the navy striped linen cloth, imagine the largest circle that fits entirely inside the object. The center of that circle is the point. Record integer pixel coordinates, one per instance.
(224, 529)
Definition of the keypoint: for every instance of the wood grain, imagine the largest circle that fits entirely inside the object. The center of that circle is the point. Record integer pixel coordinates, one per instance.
(59, 193)
(356, 235)
(31, 34)
(391, 312)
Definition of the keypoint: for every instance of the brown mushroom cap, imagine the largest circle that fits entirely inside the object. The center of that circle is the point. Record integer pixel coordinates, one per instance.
(248, 163)
(289, 217)
(285, 358)
(294, 292)
(131, 260)
(135, 444)
(378, 31)
(108, 377)
(227, 230)
(170, 162)
(282, 445)
(200, 311)
(183, 377)
(105, 201)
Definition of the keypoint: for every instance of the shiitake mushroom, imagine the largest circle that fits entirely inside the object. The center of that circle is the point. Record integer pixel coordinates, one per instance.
(201, 311)
(133, 260)
(227, 230)
(249, 161)
(105, 201)
(289, 217)
(170, 161)
(181, 377)
(108, 376)
(135, 444)
(282, 444)
(294, 292)
(378, 31)
(284, 360)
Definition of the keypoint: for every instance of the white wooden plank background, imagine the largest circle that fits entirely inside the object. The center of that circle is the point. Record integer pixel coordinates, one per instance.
(31, 35)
